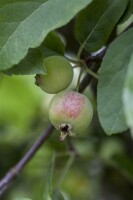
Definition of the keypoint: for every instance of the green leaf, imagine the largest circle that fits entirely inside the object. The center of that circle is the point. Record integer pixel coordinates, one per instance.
(95, 23)
(25, 25)
(6, 2)
(33, 62)
(127, 12)
(124, 165)
(128, 95)
(58, 195)
(54, 43)
(47, 192)
(111, 83)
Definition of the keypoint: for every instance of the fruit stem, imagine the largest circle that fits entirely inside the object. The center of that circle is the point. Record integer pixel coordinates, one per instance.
(89, 71)
(80, 51)
(77, 62)
(79, 78)
(75, 66)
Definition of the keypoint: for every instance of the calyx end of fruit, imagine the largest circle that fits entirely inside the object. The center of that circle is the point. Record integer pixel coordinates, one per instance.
(65, 129)
(37, 80)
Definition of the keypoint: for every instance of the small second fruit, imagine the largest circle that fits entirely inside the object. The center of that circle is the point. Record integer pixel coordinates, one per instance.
(59, 75)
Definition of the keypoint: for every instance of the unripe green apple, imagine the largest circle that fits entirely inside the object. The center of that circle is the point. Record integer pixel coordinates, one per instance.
(59, 75)
(70, 112)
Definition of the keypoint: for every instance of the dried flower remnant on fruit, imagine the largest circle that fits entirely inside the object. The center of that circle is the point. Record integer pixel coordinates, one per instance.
(65, 130)
(37, 80)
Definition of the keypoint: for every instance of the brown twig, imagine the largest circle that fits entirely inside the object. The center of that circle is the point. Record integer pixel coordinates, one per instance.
(97, 57)
(13, 173)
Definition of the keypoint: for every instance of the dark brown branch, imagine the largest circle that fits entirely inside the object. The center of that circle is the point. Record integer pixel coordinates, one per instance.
(13, 173)
(93, 62)
(97, 57)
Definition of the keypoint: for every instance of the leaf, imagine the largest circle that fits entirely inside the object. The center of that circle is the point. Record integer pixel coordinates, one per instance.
(127, 12)
(111, 83)
(128, 95)
(25, 25)
(47, 192)
(54, 43)
(95, 23)
(33, 62)
(58, 195)
(125, 166)
(6, 2)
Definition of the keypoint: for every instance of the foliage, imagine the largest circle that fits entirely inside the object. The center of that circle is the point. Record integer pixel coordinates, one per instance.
(91, 165)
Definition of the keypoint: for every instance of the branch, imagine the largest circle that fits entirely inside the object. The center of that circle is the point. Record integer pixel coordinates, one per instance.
(94, 66)
(84, 83)
(96, 57)
(13, 173)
